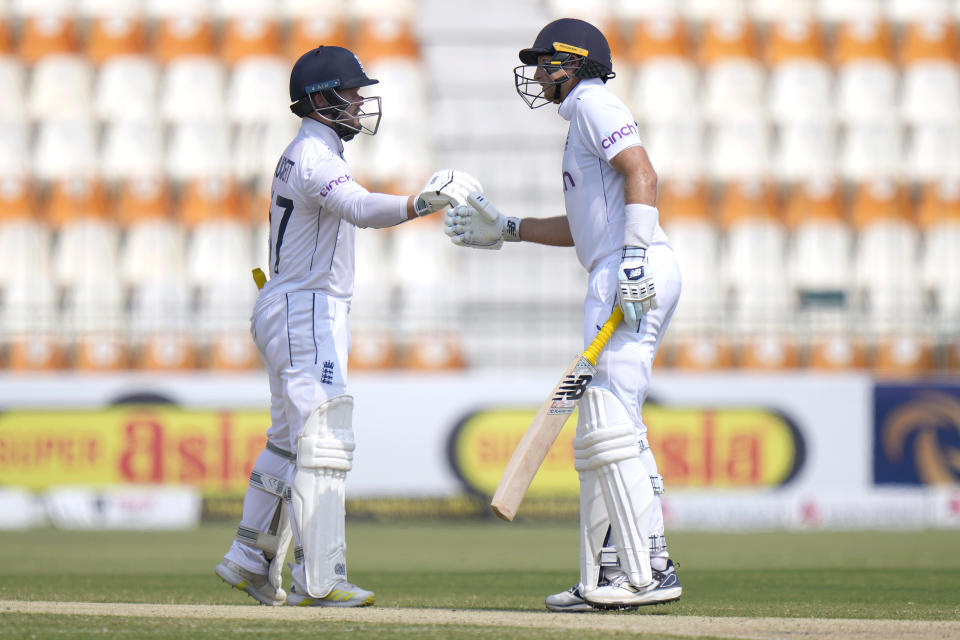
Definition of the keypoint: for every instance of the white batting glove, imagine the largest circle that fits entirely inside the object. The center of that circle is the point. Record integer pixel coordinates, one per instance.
(445, 187)
(636, 294)
(480, 225)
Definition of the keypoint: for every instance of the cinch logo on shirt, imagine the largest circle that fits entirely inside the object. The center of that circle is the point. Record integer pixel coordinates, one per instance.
(330, 185)
(622, 132)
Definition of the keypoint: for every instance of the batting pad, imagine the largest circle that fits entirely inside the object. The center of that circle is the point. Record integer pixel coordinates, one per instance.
(324, 455)
(606, 455)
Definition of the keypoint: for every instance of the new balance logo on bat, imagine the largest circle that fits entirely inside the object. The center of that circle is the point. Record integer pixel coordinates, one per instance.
(572, 387)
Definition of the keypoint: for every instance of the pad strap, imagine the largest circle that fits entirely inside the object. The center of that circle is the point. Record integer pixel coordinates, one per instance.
(657, 482)
(283, 453)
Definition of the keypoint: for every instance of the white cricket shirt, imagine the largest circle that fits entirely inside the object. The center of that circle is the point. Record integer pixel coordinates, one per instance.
(601, 126)
(315, 207)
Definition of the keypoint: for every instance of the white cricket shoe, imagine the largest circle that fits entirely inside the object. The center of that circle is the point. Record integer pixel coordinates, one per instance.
(620, 594)
(256, 585)
(569, 601)
(344, 594)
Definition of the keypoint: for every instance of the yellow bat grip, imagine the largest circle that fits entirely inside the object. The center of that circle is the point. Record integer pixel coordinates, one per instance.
(593, 351)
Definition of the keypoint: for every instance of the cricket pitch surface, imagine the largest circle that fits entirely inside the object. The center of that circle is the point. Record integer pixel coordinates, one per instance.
(807, 628)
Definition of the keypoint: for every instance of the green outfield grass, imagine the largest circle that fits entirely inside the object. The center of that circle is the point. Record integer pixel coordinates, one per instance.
(481, 565)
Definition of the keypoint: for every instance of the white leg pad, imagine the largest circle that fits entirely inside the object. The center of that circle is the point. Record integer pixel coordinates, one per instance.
(606, 453)
(324, 455)
(275, 541)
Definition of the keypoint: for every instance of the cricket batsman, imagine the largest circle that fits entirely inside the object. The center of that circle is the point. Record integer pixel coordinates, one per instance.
(610, 193)
(299, 324)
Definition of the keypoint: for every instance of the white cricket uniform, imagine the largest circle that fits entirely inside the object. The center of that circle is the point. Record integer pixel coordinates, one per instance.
(299, 321)
(601, 126)
(300, 317)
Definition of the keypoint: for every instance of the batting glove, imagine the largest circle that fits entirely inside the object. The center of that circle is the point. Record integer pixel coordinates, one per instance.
(636, 294)
(480, 225)
(445, 187)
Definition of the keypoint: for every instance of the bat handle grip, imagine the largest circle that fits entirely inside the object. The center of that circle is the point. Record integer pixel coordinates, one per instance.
(593, 351)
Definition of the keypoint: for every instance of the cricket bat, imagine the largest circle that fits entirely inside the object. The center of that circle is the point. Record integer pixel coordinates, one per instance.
(547, 424)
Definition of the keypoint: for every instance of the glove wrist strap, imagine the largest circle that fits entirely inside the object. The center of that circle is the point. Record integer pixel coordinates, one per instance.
(631, 251)
(511, 230)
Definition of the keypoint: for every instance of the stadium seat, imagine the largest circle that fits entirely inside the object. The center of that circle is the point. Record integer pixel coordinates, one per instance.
(398, 158)
(12, 76)
(930, 79)
(939, 219)
(43, 36)
(755, 274)
(198, 149)
(803, 151)
(707, 10)
(738, 151)
(126, 83)
(64, 149)
(733, 75)
(307, 30)
(665, 77)
(841, 11)
(131, 149)
(871, 150)
(888, 277)
(87, 273)
(772, 12)
(918, 10)
(866, 74)
(14, 147)
(217, 218)
(686, 218)
(61, 78)
(631, 11)
(192, 83)
(932, 152)
(800, 78)
(372, 351)
(821, 266)
(675, 149)
(258, 86)
(433, 351)
(239, 9)
(28, 314)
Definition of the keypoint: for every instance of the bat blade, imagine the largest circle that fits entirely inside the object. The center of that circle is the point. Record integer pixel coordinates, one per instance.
(539, 437)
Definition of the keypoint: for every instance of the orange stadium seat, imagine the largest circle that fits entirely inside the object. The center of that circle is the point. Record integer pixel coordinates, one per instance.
(217, 216)
(43, 36)
(733, 74)
(85, 267)
(821, 267)
(433, 352)
(755, 274)
(12, 75)
(398, 158)
(866, 72)
(126, 84)
(192, 87)
(888, 276)
(307, 33)
(666, 76)
(930, 80)
(800, 76)
(939, 219)
(686, 217)
(371, 351)
(28, 316)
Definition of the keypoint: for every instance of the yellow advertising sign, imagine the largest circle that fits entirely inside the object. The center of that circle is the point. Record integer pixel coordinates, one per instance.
(211, 450)
(695, 448)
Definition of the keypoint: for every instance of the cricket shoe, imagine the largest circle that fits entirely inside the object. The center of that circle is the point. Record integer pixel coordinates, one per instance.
(343, 594)
(618, 593)
(569, 601)
(256, 585)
